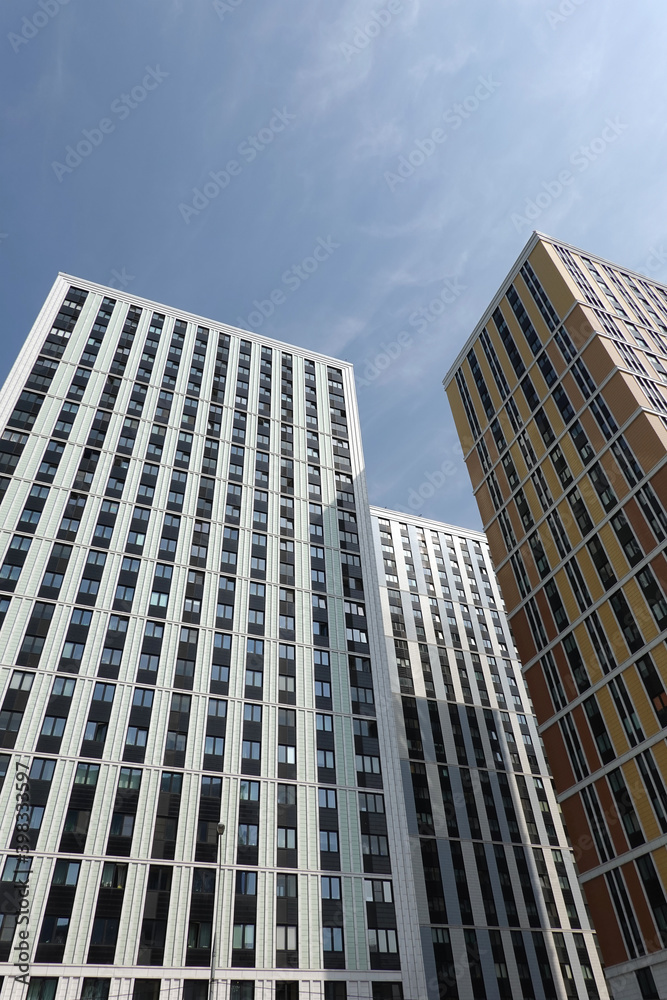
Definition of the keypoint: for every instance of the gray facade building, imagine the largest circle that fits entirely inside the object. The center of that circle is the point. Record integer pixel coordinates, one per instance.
(500, 910)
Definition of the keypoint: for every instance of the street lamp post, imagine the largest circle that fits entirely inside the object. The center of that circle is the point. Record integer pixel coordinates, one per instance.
(220, 829)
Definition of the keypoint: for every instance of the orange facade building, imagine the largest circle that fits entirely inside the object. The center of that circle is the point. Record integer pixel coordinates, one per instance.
(560, 401)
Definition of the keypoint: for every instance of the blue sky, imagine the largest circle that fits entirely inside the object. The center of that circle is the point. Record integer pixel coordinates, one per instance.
(403, 138)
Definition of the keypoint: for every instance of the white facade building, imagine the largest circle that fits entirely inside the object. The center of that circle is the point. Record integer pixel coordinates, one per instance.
(185, 563)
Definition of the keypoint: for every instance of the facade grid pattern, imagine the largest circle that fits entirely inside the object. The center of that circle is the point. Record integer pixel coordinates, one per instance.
(186, 566)
(573, 504)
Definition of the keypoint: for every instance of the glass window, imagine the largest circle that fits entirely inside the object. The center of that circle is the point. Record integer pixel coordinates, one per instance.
(286, 795)
(330, 887)
(286, 838)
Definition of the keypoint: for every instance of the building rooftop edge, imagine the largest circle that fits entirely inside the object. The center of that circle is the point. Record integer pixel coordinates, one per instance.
(419, 520)
(535, 238)
(204, 320)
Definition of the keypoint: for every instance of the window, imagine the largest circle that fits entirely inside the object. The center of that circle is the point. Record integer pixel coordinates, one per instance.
(143, 698)
(371, 765)
(16, 869)
(329, 841)
(136, 737)
(378, 891)
(326, 798)
(362, 727)
(54, 930)
(52, 726)
(130, 777)
(322, 689)
(250, 750)
(286, 755)
(214, 745)
(95, 731)
(21, 680)
(286, 795)
(332, 938)
(368, 802)
(286, 885)
(286, 838)
(7, 927)
(104, 692)
(199, 934)
(121, 825)
(11, 573)
(175, 741)
(211, 787)
(246, 883)
(249, 791)
(248, 833)
(181, 703)
(111, 657)
(66, 873)
(81, 617)
(10, 721)
(285, 938)
(330, 887)
(244, 936)
(150, 662)
(105, 931)
(383, 941)
(87, 774)
(374, 845)
(325, 758)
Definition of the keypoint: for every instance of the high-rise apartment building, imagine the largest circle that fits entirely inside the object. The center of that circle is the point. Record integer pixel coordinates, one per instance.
(202, 792)
(560, 399)
(500, 910)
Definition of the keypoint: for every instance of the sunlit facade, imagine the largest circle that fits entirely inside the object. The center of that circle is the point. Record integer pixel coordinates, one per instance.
(560, 400)
(186, 563)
